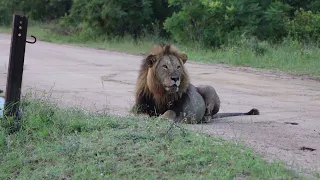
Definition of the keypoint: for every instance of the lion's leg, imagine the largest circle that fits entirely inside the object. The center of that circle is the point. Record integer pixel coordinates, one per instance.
(211, 99)
(169, 114)
(192, 108)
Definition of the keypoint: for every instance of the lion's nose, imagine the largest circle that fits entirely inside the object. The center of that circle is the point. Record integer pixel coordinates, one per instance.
(175, 79)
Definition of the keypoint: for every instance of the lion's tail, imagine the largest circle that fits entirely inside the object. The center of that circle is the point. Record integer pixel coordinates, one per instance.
(222, 115)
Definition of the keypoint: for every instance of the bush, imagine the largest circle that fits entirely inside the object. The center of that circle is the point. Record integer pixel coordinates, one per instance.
(272, 24)
(35, 9)
(6, 12)
(115, 17)
(312, 5)
(205, 22)
(305, 26)
(214, 23)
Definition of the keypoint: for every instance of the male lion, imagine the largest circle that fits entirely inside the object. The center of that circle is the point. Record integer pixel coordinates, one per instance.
(163, 89)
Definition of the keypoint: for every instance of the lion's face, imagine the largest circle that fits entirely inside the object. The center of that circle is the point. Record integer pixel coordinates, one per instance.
(169, 70)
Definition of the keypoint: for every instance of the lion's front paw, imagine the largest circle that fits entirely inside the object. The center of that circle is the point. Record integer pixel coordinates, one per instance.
(206, 119)
(171, 115)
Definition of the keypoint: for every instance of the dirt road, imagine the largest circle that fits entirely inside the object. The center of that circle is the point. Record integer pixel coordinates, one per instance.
(88, 76)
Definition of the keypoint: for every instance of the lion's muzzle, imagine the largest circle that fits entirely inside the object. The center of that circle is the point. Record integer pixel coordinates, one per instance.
(175, 79)
(172, 89)
(175, 83)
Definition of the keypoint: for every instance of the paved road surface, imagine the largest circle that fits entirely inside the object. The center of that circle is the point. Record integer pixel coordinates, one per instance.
(95, 77)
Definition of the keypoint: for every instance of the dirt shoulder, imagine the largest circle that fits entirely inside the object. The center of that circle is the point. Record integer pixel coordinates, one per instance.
(90, 77)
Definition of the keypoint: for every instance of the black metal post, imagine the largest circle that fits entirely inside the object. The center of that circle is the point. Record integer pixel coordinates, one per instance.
(16, 62)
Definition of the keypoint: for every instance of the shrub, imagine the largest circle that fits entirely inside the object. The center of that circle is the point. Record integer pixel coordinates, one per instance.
(115, 17)
(305, 26)
(38, 10)
(6, 12)
(213, 23)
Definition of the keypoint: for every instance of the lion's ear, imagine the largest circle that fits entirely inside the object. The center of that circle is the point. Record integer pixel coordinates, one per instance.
(150, 60)
(183, 57)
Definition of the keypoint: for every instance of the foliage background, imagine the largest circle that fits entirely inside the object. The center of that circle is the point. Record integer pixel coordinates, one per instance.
(206, 22)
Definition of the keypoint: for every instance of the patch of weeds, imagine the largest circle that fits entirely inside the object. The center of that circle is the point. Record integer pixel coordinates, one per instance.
(137, 137)
(316, 175)
(69, 145)
(2, 140)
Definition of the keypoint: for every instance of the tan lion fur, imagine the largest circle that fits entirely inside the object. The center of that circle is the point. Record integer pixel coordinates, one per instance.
(149, 85)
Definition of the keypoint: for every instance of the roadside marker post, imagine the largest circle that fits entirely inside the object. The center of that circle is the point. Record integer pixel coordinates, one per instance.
(16, 63)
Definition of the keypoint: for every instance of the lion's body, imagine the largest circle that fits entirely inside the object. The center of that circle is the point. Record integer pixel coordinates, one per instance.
(163, 89)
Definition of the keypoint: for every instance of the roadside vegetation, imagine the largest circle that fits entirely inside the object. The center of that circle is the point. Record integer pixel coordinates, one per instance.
(63, 143)
(279, 35)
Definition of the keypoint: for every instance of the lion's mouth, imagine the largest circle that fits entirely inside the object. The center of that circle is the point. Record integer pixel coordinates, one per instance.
(172, 89)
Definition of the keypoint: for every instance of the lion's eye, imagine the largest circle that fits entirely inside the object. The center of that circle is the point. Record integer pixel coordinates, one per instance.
(165, 66)
(179, 67)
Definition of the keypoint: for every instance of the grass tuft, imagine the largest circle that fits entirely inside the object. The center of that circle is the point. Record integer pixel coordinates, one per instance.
(64, 143)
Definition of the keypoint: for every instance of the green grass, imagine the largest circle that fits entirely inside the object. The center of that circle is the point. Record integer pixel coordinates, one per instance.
(64, 143)
(289, 56)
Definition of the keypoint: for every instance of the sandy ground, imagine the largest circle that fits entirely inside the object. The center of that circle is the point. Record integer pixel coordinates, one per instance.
(88, 77)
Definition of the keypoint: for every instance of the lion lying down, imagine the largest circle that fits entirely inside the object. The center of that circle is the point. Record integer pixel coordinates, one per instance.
(163, 89)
